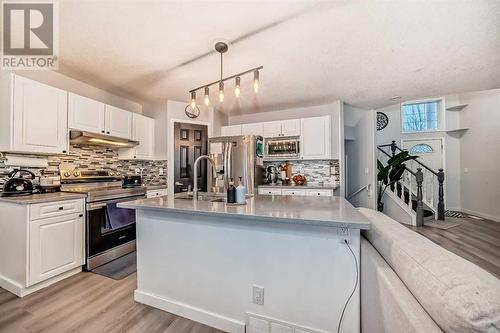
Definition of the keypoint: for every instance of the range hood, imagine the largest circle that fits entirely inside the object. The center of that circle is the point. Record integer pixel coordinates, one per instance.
(93, 139)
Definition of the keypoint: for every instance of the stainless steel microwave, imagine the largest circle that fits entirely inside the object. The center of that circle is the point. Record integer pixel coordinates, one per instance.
(282, 147)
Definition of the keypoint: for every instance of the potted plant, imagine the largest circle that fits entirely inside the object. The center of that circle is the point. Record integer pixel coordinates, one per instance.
(390, 174)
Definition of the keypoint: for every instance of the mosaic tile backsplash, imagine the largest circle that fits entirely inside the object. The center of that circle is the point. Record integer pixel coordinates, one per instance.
(315, 171)
(96, 158)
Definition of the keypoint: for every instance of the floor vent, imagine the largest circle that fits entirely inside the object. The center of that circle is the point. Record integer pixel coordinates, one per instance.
(451, 213)
(261, 324)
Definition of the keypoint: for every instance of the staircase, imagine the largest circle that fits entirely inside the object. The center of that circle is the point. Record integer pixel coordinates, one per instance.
(420, 192)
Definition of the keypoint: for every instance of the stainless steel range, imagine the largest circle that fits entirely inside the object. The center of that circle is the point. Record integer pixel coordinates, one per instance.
(110, 231)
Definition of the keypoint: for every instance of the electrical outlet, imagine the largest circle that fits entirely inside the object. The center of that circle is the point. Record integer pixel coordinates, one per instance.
(343, 233)
(160, 171)
(258, 295)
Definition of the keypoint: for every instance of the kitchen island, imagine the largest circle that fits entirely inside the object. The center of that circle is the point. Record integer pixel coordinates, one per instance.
(276, 262)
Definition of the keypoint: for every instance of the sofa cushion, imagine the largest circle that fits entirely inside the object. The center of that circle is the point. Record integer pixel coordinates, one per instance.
(387, 306)
(457, 294)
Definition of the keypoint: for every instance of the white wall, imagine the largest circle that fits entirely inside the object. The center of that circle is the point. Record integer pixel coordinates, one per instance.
(60, 81)
(360, 155)
(480, 153)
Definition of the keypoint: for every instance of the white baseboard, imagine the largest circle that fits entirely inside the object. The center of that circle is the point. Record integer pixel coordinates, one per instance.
(483, 215)
(21, 291)
(187, 311)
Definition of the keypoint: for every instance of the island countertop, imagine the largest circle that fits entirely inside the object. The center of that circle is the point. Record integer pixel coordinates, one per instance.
(317, 211)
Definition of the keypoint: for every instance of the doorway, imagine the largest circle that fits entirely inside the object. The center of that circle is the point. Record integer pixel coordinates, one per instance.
(190, 143)
(429, 151)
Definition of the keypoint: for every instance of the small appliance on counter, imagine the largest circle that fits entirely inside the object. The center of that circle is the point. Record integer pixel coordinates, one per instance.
(132, 181)
(18, 186)
(50, 183)
(272, 174)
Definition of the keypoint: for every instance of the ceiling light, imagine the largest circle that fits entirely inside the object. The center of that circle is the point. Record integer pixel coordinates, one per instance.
(256, 81)
(237, 87)
(221, 91)
(207, 97)
(222, 48)
(193, 100)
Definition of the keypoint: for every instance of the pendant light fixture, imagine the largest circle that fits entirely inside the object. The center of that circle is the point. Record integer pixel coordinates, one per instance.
(221, 48)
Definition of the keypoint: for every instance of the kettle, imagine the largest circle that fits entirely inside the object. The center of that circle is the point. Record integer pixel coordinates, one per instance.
(18, 186)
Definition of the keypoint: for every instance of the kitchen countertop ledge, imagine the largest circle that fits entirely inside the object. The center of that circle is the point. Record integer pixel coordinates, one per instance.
(316, 211)
(41, 198)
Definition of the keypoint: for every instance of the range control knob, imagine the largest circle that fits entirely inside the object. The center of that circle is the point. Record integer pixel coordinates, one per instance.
(76, 173)
(111, 173)
(118, 173)
(67, 174)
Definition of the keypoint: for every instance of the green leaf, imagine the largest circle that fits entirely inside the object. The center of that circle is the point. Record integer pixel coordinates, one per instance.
(398, 158)
(397, 172)
(380, 166)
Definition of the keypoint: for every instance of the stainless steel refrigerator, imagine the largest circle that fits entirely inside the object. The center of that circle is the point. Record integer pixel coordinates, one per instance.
(236, 156)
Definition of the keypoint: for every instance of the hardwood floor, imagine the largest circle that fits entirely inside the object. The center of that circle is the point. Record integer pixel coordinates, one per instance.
(475, 240)
(89, 302)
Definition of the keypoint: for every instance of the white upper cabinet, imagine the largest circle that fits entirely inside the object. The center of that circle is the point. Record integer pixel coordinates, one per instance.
(232, 130)
(255, 129)
(290, 127)
(143, 131)
(85, 114)
(38, 114)
(316, 138)
(118, 122)
(272, 129)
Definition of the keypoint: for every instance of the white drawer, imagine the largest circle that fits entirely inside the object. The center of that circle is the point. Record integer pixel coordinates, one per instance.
(57, 208)
(299, 191)
(270, 191)
(319, 193)
(157, 193)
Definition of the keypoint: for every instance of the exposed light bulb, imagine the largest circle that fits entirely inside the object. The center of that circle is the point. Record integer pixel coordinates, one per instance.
(193, 100)
(256, 81)
(207, 97)
(221, 91)
(237, 90)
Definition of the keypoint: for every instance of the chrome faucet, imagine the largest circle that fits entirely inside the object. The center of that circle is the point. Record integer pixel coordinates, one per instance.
(195, 180)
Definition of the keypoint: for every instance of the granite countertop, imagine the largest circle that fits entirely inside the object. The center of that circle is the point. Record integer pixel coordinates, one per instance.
(317, 211)
(41, 198)
(305, 186)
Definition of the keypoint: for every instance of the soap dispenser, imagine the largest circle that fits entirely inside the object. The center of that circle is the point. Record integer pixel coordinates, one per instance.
(241, 191)
(231, 192)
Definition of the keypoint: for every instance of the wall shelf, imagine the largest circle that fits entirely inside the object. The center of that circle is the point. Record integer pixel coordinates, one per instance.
(453, 130)
(457, 107)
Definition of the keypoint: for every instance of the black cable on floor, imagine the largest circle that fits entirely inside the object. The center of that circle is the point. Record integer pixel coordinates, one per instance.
(355, 286)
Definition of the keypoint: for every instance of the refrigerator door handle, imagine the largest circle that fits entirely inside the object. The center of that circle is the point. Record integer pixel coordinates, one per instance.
(229, 161)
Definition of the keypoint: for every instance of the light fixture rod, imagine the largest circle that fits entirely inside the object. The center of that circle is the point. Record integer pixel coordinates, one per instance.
(227, 78)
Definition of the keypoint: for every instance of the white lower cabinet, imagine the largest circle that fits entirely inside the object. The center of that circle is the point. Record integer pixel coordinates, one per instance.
(156, 193)
(293, 192)
(296, 191)
(56, 246)
(40, 244)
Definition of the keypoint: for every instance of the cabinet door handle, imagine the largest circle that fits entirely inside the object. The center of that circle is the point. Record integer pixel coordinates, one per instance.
(81, 215)
(107, 132)
(61, 208)
(102, 131)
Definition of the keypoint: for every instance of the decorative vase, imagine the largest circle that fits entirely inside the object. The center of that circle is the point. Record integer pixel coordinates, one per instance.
(380, 206)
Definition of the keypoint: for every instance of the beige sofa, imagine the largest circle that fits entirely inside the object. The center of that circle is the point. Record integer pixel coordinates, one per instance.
(410, 284)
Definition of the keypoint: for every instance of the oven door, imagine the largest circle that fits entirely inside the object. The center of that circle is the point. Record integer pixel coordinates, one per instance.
(108, 228)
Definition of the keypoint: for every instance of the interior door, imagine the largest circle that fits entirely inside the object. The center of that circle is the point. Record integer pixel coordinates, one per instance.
(430, 151)
(190, 143)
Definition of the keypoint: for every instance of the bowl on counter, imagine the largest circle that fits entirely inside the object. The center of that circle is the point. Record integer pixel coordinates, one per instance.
(299, 179)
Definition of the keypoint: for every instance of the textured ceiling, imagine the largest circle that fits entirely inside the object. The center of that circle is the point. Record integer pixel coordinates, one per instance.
(361, 52)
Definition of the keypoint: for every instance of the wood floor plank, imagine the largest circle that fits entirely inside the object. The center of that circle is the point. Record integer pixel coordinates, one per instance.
(475, 240)
(89, 303)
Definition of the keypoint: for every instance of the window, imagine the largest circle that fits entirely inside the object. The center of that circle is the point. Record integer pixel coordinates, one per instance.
(421, 148)
(420, 117)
